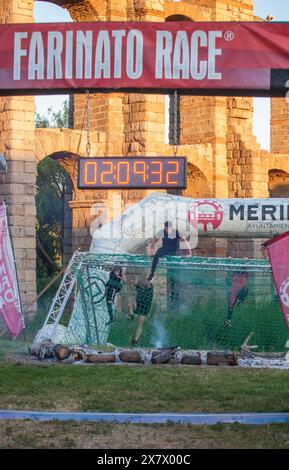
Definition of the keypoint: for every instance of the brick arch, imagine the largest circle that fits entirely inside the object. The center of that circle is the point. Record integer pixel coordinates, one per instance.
(83, 10)
(200, 156)
(185, 10)
(278, 184)
(66, 142)
(278, 161)
(197, 183)
(67, 213)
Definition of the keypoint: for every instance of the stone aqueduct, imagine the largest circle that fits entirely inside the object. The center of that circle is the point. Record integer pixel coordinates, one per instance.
(216, 134)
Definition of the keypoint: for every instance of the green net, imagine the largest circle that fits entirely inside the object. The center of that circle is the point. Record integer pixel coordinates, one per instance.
(193, 303)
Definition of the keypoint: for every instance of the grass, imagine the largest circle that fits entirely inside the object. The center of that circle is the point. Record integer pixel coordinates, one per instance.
(142, 389)
(66, 435)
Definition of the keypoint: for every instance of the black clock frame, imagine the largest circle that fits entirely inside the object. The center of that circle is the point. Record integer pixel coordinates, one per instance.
(182, 175)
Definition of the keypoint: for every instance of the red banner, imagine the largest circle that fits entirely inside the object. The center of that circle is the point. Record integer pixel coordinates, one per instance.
(10, 307)
(230, 56)
(278, 252)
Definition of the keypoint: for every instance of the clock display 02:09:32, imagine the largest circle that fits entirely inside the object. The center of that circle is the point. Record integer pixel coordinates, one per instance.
(132, 172)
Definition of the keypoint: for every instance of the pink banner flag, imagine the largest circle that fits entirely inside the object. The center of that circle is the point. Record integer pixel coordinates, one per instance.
(278, 252)
(10, 306)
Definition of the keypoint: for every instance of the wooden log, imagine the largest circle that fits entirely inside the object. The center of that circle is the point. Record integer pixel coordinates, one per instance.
(61, 352)
(131, 356)
(100, 358)
(163, 357)
(215, 358)
(191, 359)
(79, 353)
(172, 350)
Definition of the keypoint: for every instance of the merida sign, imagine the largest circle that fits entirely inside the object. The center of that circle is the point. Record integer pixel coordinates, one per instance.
(239, 218)
(258, 212)
(230, 57)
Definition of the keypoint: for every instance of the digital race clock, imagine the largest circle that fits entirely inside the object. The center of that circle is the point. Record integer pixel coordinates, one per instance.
(132, 173)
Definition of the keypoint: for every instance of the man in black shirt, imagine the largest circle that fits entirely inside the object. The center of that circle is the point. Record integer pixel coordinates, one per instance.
(171, 239)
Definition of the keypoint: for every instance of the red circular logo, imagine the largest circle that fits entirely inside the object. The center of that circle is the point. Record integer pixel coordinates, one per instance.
(206, 212)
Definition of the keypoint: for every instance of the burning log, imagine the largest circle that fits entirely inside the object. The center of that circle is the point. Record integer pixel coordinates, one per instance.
(79, 353)
(165, 355)
(162, 357)
(216, 358)
(131, 356)
(191, 359)
(61, 352)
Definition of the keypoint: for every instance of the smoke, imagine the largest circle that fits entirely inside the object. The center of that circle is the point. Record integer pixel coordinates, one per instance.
(160, 336)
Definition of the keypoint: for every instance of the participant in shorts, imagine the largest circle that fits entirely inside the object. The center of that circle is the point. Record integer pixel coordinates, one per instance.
(112, 288)
(140, 305)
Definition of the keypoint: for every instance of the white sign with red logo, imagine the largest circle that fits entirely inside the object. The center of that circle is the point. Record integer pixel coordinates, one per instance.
(262, 218)
(10, 306)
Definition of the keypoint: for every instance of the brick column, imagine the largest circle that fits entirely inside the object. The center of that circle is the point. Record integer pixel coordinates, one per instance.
(105, 109)
(85, 218)
(279, 125)
(248, 164)
(17, 187)
(106, 115)
(144, 115)
(203, 120)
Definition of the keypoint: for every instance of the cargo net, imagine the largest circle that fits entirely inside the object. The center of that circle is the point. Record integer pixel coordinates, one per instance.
(195, 303)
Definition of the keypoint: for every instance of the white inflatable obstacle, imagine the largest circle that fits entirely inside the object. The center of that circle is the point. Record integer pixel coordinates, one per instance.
(137, 225)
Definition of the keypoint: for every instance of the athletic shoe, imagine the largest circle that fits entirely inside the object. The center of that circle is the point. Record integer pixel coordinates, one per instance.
(228, 323)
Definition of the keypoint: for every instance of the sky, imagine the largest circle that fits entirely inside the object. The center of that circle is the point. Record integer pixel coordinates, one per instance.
(47, 12)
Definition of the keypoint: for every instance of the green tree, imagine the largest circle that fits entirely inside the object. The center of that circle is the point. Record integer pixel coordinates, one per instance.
(51, 183)
(59, 119)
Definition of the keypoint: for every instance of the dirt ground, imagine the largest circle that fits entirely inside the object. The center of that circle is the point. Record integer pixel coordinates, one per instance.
(60, 435)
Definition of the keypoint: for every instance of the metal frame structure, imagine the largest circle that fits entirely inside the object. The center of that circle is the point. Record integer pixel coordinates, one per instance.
(61, 297)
